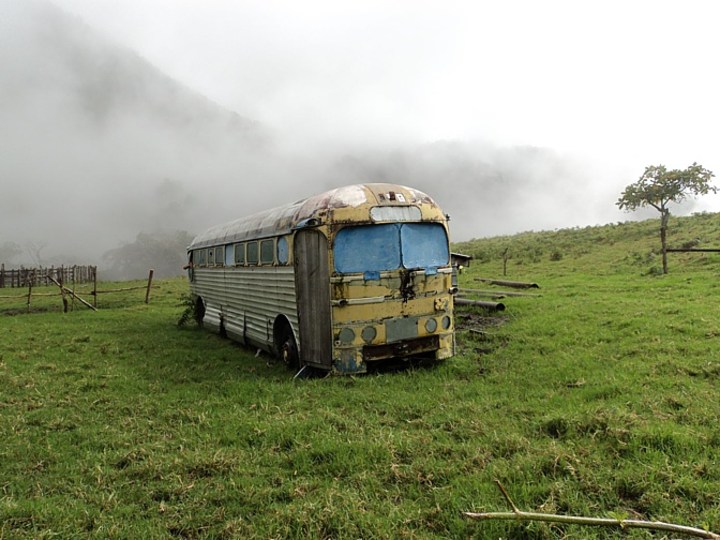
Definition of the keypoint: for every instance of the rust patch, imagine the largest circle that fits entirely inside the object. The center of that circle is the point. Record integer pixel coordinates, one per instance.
(407, 288)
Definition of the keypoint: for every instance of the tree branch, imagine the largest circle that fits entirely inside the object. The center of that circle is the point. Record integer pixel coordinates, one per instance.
(519, 515)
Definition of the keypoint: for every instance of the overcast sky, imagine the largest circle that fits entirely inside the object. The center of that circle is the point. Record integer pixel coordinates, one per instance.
(631, 82)
(514, 115)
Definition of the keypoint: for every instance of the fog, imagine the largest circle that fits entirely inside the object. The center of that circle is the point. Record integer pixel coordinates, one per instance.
(125, 117)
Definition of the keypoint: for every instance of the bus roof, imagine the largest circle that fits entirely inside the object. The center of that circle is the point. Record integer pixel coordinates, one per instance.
(336, 206)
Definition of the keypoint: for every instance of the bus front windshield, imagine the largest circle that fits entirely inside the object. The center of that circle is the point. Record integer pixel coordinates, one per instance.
(378, 248)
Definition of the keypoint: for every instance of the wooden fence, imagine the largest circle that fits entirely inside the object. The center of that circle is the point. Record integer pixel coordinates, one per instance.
(65, 279)
(26, 277)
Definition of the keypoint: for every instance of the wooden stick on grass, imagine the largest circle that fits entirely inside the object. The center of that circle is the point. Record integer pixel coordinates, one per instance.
(519, 515)
(64, 289)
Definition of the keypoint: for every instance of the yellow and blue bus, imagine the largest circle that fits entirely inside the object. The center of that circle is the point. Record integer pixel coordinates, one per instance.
(339, 281)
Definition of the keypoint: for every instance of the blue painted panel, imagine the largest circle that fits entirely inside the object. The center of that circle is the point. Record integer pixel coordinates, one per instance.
(424, 245)
(367, 248)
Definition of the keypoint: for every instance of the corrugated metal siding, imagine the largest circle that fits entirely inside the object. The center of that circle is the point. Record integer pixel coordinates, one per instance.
(210, 284)
(249, 298)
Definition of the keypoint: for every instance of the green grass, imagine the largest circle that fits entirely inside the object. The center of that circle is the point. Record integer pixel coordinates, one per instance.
(598, 397)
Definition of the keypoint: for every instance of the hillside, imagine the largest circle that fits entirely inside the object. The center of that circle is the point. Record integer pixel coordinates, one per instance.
(48, 53)
(99, 144)
(627, 247)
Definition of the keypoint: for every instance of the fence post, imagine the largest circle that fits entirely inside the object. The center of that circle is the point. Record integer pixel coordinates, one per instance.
(30, 286)
(94, 278)
(147, 293)
(71, 270)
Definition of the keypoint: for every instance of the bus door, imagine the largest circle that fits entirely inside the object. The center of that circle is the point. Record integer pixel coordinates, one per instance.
(312, 281)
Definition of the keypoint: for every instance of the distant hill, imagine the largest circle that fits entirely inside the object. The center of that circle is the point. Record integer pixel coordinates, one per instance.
(50, 53)
(97, 143)
(620, 247)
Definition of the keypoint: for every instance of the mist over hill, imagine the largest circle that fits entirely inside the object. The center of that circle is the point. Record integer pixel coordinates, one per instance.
(97, 145)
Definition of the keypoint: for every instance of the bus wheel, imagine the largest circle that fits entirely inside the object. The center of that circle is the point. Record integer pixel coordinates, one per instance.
(288, 349)
(198, 310)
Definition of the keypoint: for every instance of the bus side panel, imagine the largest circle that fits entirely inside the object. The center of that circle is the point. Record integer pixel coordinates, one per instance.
(209, 284)
(313, 298)
(255, 297)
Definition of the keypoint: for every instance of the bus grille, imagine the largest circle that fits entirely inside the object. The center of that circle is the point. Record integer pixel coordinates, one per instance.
(402, 349)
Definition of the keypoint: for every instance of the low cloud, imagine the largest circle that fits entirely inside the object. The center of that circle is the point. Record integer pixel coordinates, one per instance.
(98, 145)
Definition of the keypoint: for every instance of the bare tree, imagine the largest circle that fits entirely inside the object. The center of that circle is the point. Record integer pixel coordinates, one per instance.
(8, 251)
(33, 250)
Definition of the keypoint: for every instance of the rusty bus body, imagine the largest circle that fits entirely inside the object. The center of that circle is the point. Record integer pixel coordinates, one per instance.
(353, 276)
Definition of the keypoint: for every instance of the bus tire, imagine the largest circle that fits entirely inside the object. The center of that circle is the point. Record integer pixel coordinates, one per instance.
(199, 310)
(287, 348)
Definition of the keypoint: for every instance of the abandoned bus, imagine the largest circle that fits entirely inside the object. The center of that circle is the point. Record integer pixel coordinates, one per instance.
(338, 281)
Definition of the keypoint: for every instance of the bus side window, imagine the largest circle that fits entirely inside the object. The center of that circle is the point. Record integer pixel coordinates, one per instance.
(229, 255)
(239, 254)
(252, 252)
(211, 257)
(202, 257)
(282, 250)
(219, 255)
(267, 251)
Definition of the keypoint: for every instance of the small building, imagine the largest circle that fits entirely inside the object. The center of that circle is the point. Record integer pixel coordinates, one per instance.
(460, 260)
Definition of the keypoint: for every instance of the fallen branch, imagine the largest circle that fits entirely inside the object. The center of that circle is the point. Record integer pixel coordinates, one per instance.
(495, 306)
(693, 250)
(497, 294)
(519, 515)
(505, 283)
(65, 289)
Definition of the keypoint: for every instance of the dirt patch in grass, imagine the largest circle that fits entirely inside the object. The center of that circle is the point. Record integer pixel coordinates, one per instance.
(476, 330)
(476, 321)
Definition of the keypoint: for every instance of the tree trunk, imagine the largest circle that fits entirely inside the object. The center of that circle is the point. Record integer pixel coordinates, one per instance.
(664, 217)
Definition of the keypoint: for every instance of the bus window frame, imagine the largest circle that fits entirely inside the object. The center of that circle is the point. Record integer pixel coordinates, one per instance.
(229, 255)
(241, 250)
(219, 260)
(252, 246)
(282, 251)
(262, 252)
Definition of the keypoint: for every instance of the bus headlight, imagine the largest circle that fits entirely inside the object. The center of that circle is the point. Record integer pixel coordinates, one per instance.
(430, 325)
(368, 334)
(446, 322)
(347, 335)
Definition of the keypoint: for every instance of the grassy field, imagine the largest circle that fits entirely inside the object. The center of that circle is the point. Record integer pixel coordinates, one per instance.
(598, 398)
